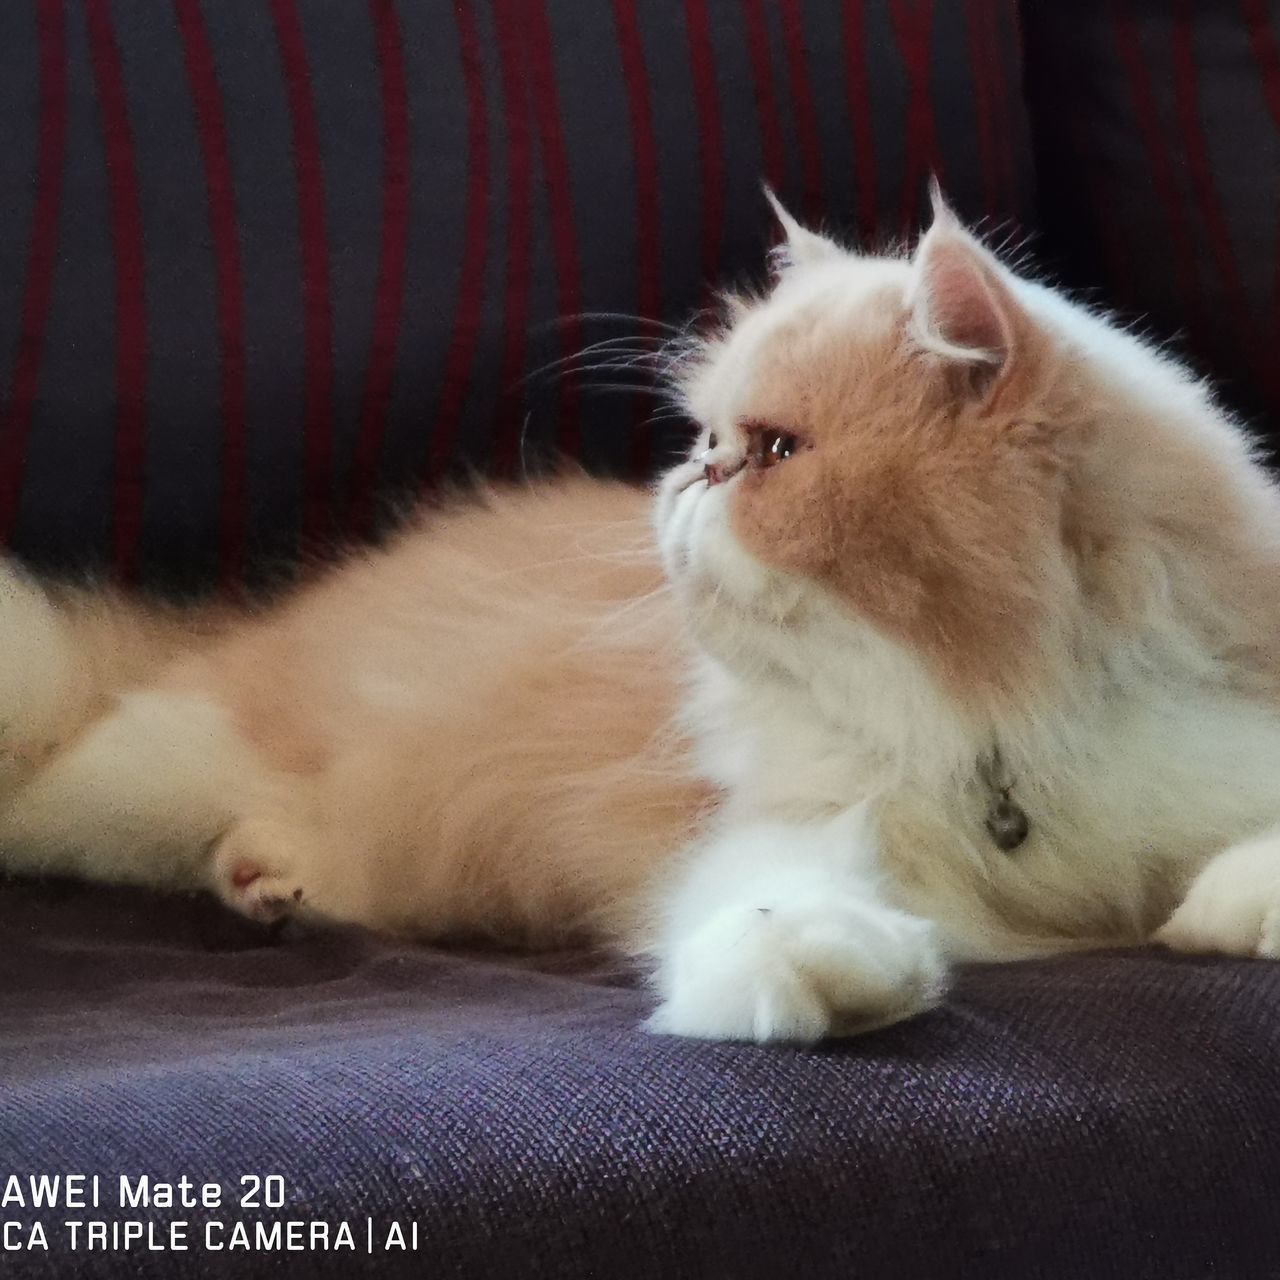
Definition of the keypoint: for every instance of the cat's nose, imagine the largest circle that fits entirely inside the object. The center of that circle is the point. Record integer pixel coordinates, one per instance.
(725, 469)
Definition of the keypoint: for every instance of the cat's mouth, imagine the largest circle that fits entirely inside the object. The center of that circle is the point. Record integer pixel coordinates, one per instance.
(698, 476)
(710, 473)
(675, 514)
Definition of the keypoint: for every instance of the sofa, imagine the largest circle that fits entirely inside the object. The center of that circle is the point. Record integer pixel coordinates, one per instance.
(271, 271)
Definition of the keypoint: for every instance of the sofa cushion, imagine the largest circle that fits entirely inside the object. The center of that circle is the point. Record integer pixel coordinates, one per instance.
(265, 265)
(1101, 1116)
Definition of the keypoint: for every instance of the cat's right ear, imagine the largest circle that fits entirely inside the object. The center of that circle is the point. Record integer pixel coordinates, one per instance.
(800, 247)
(963, 309)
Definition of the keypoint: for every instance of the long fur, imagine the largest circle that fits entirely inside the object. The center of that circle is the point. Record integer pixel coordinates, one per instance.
(468, 732)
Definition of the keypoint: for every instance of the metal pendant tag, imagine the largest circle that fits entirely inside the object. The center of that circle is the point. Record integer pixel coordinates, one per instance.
(1007, 824)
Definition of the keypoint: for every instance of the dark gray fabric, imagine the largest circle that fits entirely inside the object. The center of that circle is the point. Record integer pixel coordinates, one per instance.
(1158, 161)
(1102, 1116)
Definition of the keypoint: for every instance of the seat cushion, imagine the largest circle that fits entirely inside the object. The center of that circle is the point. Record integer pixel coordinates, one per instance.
(1100, 1116)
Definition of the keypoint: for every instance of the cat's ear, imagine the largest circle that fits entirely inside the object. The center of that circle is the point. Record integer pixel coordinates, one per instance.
(963, 309)
(800, 247)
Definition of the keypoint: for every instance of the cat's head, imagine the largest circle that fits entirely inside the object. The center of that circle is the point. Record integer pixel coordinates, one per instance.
(898, 441)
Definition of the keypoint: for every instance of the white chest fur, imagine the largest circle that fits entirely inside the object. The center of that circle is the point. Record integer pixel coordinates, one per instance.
(1130, 786)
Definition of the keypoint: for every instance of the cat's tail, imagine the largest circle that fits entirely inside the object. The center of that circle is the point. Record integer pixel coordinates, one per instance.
(44, 681)
(102, 772)
(65, 652)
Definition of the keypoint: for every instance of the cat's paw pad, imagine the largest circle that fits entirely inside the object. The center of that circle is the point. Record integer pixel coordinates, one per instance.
(1232, 907)
(799, 973)
(253, 874)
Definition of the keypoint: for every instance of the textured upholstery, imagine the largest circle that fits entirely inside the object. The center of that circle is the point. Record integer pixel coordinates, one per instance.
(1112, 1117)
(263, 262)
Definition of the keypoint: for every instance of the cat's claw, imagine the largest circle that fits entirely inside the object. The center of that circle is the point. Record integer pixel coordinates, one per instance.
(799, 973)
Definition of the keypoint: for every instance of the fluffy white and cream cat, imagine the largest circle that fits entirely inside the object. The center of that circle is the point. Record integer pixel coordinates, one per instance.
(957, 636)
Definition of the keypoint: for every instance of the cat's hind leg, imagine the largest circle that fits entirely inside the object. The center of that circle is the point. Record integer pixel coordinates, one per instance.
(109, 775)
(42, 675)
(260, 868)
(282, 860)
(136, 796)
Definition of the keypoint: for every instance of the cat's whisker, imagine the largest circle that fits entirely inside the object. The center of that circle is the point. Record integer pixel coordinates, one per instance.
(624, 367)
(616, 362)
(594, 636)
(669, 414)
(630, 388)
(622, 317)
(478, 582)
(664, 356)
(619, 346)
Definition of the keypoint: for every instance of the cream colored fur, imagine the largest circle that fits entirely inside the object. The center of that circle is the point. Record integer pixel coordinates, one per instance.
(469, 732)
(737, 728)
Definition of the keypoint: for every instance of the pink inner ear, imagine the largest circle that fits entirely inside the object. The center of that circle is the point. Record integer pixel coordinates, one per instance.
(961, 303)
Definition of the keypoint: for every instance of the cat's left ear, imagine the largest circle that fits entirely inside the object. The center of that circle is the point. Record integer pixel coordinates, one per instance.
(963, 308)
(800, 247)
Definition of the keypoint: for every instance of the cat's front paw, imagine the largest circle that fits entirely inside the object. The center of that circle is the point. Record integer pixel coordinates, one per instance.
(799, 972)
(1233, 905)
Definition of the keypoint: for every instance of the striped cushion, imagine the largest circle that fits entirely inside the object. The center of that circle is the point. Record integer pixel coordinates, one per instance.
(264, 263)
(1158, 140)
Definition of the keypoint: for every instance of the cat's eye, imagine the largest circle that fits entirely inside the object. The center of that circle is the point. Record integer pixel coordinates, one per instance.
(769, 446)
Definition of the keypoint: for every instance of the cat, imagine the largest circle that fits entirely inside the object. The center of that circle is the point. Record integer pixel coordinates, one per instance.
(955, 637)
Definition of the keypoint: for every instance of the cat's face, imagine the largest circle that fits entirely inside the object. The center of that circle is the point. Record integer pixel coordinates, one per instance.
(876, 441)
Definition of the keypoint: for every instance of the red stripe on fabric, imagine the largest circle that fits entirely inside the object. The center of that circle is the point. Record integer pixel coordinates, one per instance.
(757, 32)
(1186, 97)
(644, 154)
(1266, 52)
(858, 89)
(913, 30)
(983, 70)
(465, 331)
(706, 98)
(1130, 50)
(805, 108)
(51, 141)
(540, 61)
(393, 253)
(130, 300)
(510, 19)
(211, 126)
(317, 394)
